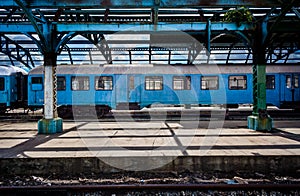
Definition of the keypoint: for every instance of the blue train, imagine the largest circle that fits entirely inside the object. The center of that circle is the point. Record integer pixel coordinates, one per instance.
(13, 88)
(101, 88)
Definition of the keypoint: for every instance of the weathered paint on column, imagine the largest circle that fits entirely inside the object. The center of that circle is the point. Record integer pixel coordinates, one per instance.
(50, 123)
(48, 92)
(259, 120)
(261, 87)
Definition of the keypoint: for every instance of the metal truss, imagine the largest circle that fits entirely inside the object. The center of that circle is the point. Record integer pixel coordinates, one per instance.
(15, 52)
(100, 42)
(282, 48)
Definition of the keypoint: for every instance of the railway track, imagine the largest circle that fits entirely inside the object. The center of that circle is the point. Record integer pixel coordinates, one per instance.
(155, 189)
(20, 116)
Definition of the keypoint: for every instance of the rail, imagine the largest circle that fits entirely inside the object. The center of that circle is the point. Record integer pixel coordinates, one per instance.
(152, 188)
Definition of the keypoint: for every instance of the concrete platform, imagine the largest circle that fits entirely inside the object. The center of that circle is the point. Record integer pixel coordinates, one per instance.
(98, 147)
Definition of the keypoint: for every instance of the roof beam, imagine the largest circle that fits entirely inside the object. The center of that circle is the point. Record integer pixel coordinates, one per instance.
(126, 27)
(192, 27)
(141, 3)
(17, 28)
(139, 28)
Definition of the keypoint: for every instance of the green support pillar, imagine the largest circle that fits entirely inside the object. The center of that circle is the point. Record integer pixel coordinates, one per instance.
(259, 120)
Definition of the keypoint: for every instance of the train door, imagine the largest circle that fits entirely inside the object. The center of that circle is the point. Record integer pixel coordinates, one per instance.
(121, 89)
(134, 94)
(36, 97)
(291, 88)
(21, 86)
(127, 91)
(3, 92)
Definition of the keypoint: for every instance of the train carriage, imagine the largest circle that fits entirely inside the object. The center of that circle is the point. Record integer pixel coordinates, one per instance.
(106, 87)
(282, 86)
(13, 88)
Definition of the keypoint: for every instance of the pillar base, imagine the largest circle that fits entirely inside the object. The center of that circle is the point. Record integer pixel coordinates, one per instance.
(50, 126)
(260, 124)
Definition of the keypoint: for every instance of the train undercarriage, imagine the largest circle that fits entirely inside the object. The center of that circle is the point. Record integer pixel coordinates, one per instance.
(70, 111)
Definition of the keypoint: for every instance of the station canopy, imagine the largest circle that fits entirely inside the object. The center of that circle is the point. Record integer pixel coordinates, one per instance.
(148, 33)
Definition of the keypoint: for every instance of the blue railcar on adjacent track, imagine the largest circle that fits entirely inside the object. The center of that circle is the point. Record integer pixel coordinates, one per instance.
(101, 88)
(13, 88)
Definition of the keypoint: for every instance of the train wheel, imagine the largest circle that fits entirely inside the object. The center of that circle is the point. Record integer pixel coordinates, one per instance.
(2, 111)
(101, 111)
(65, 112)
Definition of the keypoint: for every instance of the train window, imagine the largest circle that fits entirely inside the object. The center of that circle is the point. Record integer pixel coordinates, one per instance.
(270, 82)
(103, 83)
(80, 83)
(296, 81)
(237, 82)
(36, 80)
(153, 82)
(288, 81)
(2, 86)
(61, 83)
(182, 82)
(209, 82)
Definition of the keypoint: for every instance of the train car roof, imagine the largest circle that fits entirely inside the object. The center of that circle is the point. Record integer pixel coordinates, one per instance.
(7, 70)
(161, 69)
(140, 69)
